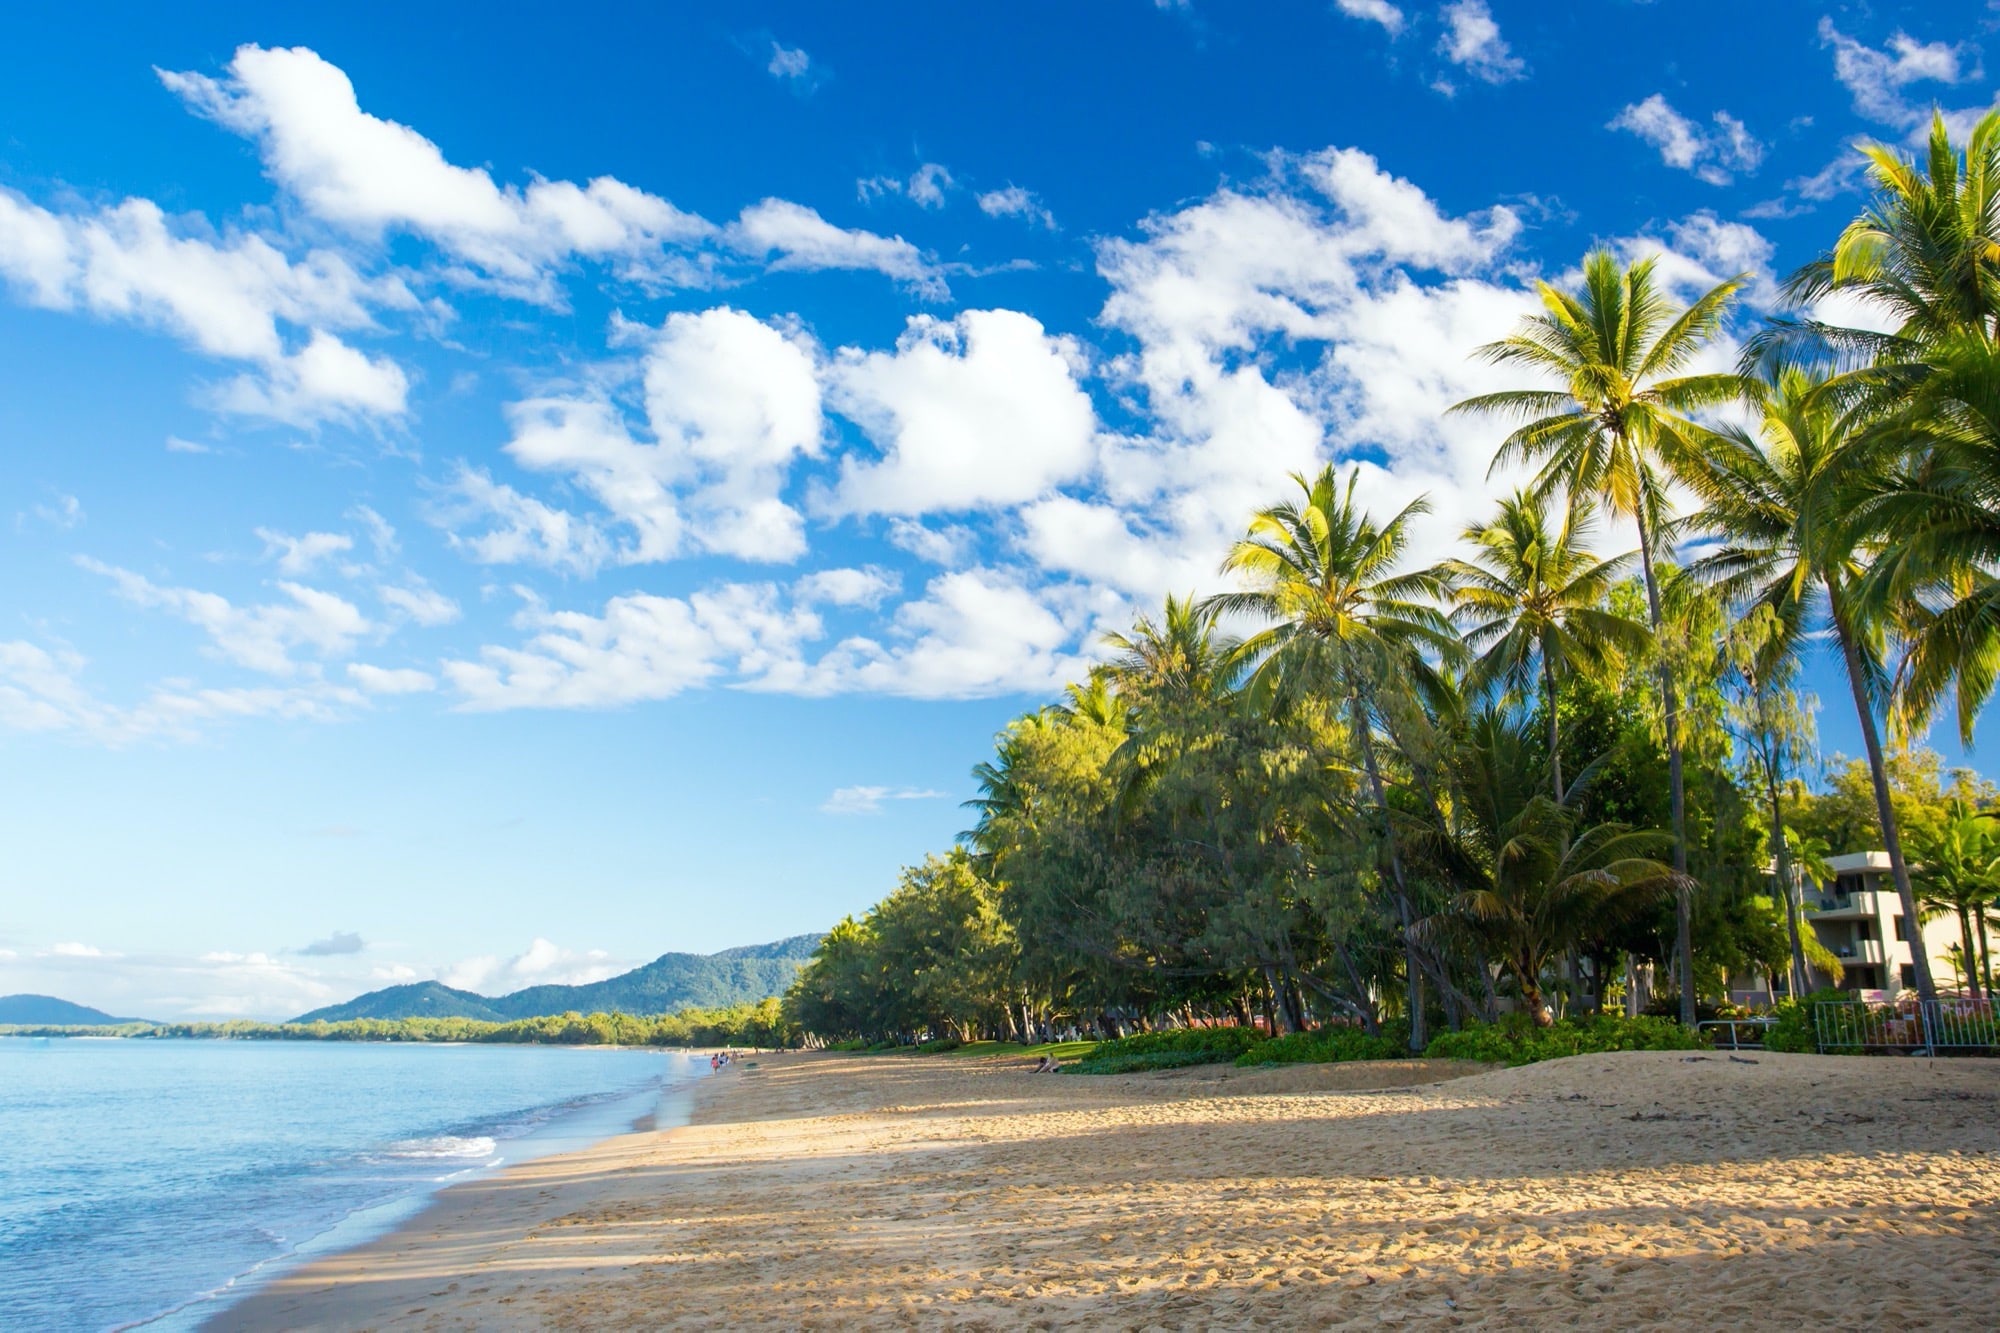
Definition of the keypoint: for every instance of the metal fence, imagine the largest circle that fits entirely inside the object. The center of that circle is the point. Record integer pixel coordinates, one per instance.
(1954, 1027)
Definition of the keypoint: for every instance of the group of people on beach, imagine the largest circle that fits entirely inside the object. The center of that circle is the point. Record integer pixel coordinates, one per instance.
(718, 1060)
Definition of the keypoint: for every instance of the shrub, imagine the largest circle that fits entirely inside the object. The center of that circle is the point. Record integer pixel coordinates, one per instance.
(1329, 1045)
(938, 1045)
(1169, 1049)
(1517, 1041)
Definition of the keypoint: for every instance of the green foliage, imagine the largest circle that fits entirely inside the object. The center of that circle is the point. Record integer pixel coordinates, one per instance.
(1794, 1032)
(1519, 1042)
(1169, 1049)
(1329, 1045)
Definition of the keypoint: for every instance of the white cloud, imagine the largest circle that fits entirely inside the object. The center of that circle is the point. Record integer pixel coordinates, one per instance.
(868, 800)
(1375, 11)
(232, 298)
(984, 410)
(542, 963)
(1473, 42)
(642, 647)
(516, 528)
(788, 62)
(300, 555)
(1015, 202)
(63, 511)
(1876, 79)
(1710, 154)
(793, 236)
(928, 185)
(950, 544)
(176, 445)
(847, 587)
(259, 637)
(420, 603)
(381, 536)
(79, 951)
(385, 680)
(217, 983)
(731, 403)
(358, 171)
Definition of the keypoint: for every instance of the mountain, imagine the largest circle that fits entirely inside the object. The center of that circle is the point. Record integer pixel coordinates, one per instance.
(46, 1011)
(421, 999)
(671, 982)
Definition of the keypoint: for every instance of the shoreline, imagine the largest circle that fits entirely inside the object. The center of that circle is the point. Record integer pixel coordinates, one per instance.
(821, 1191)
(575, 1128)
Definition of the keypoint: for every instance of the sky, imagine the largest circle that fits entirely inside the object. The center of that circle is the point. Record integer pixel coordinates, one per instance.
(496, 498)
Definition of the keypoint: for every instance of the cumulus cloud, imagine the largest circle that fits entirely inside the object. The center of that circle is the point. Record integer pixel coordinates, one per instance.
(1711, 154)
(1015, 202)
(235, 298)
(542, 963)
(983, 410)
(1472, 41)
(868, 800)
(390, 680)
(419, 603)
(1876, 78)
(792, 236)
(370, 175)
(788, 62)
(339, 943)
(847, 587)
(300, 555)
(1375, 11)
(260, 637)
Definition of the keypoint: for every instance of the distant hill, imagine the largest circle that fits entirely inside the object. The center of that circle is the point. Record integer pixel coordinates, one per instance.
(47, 1011)
(671, 982)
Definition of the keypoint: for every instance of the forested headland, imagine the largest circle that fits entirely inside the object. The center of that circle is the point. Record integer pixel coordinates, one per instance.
(1570, 769)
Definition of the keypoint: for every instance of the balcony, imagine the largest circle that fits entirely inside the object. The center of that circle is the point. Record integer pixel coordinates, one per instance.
(1862, 903)
(1860, 951)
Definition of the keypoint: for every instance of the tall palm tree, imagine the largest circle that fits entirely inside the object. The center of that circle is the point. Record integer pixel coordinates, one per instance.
(1532, 603)
(1172, 662)
(1541, 878)
(1785, 506)
(1612, 421)
(1961, 876)
(1322, 576)
(1925, 253)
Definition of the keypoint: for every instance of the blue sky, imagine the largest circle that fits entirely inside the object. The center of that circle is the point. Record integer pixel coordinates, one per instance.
(498, 500)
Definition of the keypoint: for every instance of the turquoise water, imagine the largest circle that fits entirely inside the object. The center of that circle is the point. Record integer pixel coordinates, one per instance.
(146, 1181)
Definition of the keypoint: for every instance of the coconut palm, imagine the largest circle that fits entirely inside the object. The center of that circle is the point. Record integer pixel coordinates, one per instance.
(1541, 878)
(1785, 506)
(1338, 617)
(1961, 877)
(1924, 254)
(1531, 602)
(1173, 662)
(1612, 422)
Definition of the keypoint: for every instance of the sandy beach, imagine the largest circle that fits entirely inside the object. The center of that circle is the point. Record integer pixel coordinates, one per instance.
(1635, 1190)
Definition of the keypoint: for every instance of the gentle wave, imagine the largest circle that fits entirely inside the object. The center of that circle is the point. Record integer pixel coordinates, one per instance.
(444, 1145)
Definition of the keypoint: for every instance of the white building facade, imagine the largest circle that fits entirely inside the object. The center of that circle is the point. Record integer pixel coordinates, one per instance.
(1859, 918)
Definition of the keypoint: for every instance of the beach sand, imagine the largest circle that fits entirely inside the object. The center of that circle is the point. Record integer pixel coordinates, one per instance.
(1649, 1189)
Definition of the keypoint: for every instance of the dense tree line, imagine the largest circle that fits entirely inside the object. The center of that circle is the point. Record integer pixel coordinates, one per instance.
(1348, 788)
(758, 1025)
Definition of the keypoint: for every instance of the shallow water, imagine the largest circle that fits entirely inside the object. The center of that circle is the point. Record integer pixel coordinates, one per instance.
(146, 1180)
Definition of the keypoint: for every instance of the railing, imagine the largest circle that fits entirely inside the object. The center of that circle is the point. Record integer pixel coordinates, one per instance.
(1959, 1027)
(1861, 951)
(1737, 1034)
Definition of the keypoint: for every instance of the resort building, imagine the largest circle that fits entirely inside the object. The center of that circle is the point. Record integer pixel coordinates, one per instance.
(1859, 918)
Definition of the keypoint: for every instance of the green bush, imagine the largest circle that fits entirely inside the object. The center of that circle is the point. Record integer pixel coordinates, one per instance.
(1328, 1046)
(938, 1045)
(851, 1044)
(1793, 1032)
(1517, 1041)
(1169, 1049)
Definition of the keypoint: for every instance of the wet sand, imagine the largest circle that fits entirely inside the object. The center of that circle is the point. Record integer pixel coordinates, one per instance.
(1644, 1189)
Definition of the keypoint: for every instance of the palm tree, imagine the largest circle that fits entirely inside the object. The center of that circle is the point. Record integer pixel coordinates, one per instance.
(1541, 879)
(1786, 507)
(1925, 254)
(1613, 423)
(1176, 661)
(1961, 876)
(1321, 574)
(1531, 603)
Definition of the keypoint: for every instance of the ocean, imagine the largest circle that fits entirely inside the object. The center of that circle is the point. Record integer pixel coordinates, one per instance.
(148, 1182)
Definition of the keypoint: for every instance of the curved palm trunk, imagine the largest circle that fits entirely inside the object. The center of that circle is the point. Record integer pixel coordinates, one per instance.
(1969, 957)
(1555, 735)
(1891, 835)
(1412, 964)
(1788, 885)
(1670, 704)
